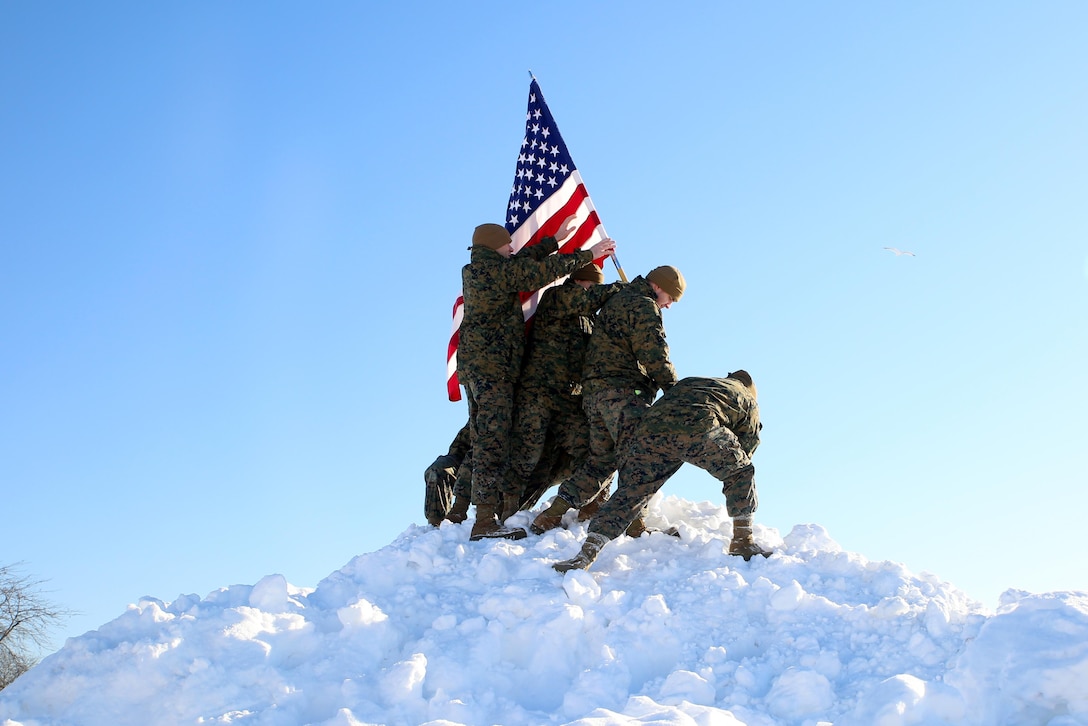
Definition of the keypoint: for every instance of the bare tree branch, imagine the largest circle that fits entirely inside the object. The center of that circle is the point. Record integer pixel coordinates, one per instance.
(26, 620)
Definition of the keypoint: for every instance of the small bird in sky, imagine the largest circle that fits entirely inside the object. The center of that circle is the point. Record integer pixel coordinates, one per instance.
(899, 253)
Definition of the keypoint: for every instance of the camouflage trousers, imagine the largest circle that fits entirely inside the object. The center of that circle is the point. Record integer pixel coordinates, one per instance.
(490, 419)
(652, 459)
(555, 465)
(613, 414)
(541, 412)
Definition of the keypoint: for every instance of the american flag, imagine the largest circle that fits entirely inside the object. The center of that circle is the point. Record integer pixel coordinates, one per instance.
(547, 190)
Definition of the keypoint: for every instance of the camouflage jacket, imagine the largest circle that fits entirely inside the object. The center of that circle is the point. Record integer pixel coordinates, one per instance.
(459, 448)
(492, 334)
(560, 333)
(628, 348)
(696, 405)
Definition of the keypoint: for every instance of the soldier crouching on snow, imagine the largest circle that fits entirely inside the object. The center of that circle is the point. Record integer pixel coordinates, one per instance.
(712, 423)
(448, 479)
(449, 482)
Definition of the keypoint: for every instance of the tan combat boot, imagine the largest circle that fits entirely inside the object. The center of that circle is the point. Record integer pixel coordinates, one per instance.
(637, 528)
(487, 525)
(509, 507)
(742, 544)
(589, 509)
(551, 517)
(581, 561)
(459, 511)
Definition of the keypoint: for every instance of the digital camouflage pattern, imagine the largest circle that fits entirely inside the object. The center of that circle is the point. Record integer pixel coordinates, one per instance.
(628, 347)
(549, 401)
(712, 423)
(491, 340)
(612, 415)
(491, 417)
(542, 414)
(441, 478)
(561, 330)
(627, 361)
(447, 480)
(490, 349)
(554, 466)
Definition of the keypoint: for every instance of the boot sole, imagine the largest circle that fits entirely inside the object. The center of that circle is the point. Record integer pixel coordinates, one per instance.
(749, 555)
(514, 534)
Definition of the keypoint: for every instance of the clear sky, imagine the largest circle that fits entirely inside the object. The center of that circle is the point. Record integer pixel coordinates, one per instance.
(231, 236)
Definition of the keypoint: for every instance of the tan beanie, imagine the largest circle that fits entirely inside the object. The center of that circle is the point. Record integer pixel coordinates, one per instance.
(590, 272)
(745, 378)
(491, 236)
(669, 279)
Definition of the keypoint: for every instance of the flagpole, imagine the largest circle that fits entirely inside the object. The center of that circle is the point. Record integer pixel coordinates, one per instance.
(619, 268)
(615, 260)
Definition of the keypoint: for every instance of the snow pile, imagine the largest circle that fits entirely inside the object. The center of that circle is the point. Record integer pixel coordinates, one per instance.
(436, 629)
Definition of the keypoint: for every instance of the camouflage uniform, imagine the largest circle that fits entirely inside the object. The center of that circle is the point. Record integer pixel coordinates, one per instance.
(449, 477)
(555, 465)
(491, 345)
(549, 400)
(627, 362)
(712, 423)
(445, 480)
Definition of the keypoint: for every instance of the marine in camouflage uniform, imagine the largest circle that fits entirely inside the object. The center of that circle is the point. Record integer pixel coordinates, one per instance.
(626, 364)
(490, 349)
(449, 482)
(448, 479)
(712, 423)
(549, 399)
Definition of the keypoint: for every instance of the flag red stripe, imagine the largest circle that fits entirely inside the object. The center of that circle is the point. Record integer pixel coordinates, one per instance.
(453, 383)
(578, 240)
(550, 226)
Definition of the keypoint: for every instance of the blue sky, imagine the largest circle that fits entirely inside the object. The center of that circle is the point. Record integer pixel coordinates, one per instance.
(231, 236)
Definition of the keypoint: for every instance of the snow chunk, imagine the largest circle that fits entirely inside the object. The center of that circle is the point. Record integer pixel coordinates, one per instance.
(273, 594)
(360, 613)
(800, 693)
(684, 685)
(811, 538)
(581, 588)
(788, 598)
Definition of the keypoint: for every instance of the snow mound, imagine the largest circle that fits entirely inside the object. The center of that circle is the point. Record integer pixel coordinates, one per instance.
(435, 629)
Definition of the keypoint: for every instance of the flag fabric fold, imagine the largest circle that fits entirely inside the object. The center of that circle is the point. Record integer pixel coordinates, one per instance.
(547, 190)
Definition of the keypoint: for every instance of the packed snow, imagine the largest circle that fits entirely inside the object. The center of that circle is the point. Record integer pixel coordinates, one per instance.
(435, 629)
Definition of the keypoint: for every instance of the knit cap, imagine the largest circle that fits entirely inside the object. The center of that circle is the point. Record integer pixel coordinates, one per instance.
(669, 279)
(491, 236)
(590, 272)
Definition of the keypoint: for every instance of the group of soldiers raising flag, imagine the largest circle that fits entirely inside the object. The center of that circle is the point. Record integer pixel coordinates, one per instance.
(569, 400)
(572, 401)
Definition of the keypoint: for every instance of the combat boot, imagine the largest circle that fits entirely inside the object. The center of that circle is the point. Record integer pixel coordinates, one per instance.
(487, 525)
(551, 517)
(459, 511)
(589, 509)
(742, 544)
(637, 528)
(581, 561)
(509, 507)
